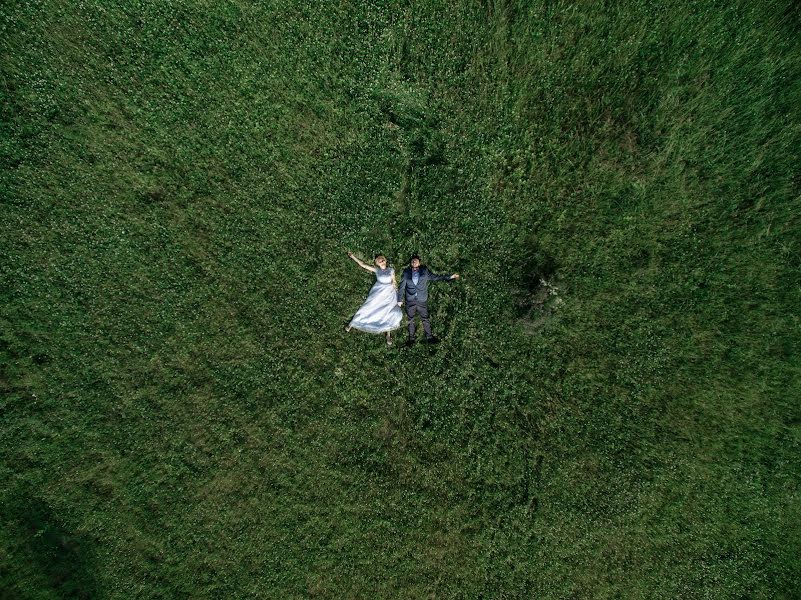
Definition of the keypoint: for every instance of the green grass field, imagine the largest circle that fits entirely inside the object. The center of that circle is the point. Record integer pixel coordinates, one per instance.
(184, 417)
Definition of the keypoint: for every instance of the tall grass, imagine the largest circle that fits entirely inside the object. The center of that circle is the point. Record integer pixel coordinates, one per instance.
(613, 411)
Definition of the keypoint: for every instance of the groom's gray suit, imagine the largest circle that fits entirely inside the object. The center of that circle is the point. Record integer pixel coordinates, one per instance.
(416, 295)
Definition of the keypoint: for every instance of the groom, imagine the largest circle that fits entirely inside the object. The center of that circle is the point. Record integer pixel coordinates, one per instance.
(414, 284)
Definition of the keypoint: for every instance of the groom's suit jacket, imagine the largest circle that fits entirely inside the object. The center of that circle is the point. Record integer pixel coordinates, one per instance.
(418, 293)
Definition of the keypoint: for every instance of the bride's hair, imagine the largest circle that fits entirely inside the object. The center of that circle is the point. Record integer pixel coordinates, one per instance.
(377, 256)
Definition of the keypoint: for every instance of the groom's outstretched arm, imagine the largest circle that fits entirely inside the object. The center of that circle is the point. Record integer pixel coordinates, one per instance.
(434, 277)
(402, 287)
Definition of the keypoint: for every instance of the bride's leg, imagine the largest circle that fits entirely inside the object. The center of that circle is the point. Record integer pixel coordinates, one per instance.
(389, 338)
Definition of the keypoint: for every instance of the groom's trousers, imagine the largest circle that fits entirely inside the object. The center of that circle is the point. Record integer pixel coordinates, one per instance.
(420, 308)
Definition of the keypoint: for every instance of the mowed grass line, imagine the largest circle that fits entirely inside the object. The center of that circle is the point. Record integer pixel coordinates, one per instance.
(183, 415)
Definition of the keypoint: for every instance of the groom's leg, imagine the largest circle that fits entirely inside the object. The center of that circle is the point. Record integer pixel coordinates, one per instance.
(423, 310)
(410, 309)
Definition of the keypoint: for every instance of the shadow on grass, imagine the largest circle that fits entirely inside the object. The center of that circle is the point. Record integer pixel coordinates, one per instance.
(43, 558)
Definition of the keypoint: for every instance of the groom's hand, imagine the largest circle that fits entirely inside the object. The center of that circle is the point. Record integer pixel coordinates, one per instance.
(455, 276)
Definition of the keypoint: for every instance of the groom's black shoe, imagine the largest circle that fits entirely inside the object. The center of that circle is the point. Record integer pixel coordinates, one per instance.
(432, 340)
(410, 341)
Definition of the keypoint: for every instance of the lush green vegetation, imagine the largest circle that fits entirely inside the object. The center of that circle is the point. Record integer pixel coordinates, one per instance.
(182, 414)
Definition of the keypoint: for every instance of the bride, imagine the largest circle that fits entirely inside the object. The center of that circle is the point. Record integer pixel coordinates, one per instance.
(380, 312)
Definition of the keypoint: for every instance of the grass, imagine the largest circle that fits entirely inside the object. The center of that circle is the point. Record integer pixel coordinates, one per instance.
(183, 415)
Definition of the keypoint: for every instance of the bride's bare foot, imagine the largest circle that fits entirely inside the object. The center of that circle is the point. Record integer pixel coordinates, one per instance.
(389, 340)
(347, 328)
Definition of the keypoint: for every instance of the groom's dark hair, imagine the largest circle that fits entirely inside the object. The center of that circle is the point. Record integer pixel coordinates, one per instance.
(413, 256)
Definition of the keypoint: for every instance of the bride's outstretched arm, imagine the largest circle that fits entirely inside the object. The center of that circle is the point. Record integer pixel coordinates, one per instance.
(363, 265)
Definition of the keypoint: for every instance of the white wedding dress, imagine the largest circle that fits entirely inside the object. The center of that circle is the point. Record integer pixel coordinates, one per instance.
(380, 312)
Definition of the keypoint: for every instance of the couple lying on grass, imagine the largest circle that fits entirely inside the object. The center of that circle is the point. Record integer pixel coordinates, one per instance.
(381, 312)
